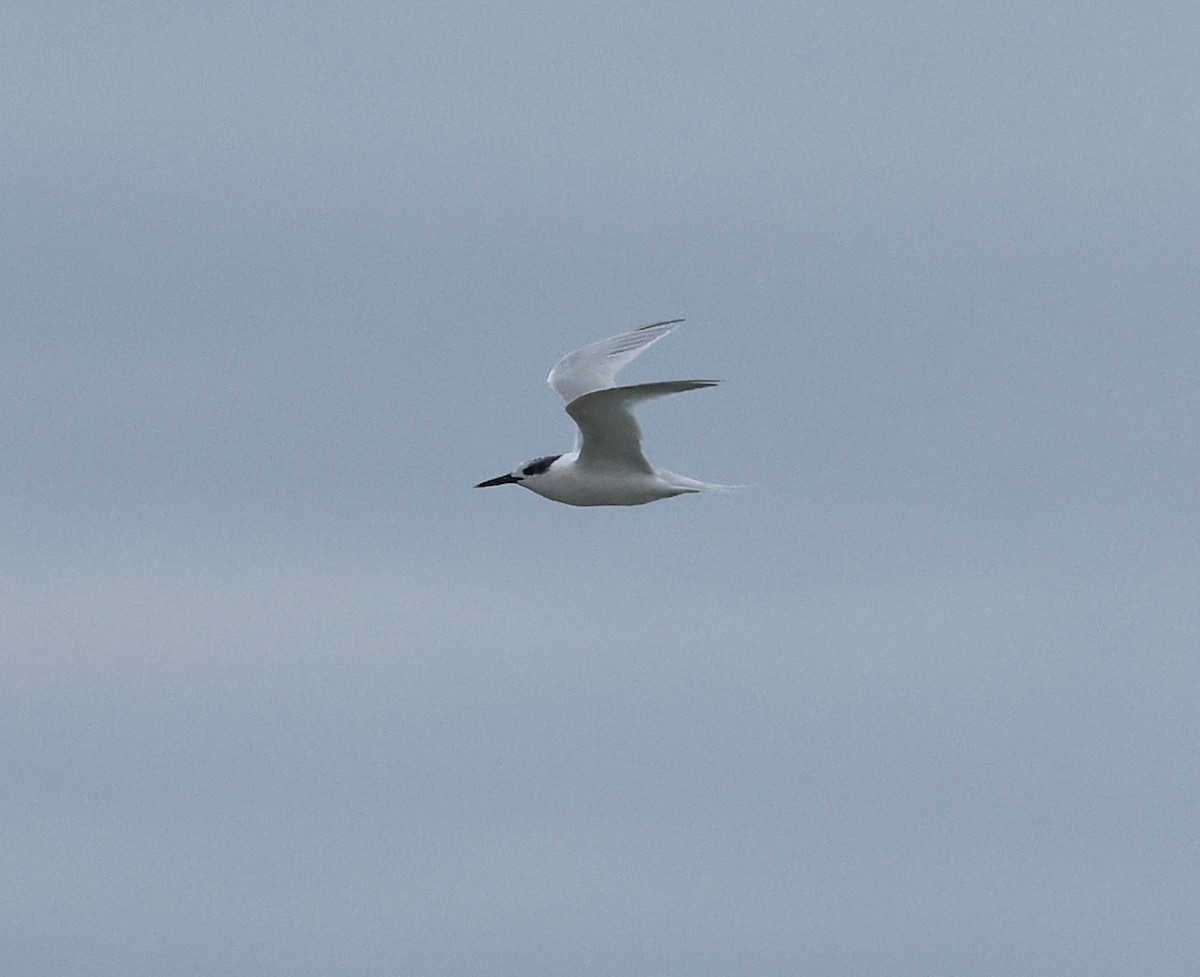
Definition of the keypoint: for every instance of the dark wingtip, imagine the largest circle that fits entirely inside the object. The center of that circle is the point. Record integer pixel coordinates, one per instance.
(655, 325)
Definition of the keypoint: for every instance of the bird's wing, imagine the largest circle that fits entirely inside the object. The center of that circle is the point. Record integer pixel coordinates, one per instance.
(595, 367)
(609, 435)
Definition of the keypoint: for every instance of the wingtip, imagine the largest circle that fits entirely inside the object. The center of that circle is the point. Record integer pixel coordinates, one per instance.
(655, 325)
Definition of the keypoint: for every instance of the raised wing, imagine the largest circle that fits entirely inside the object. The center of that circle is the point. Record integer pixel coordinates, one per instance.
(595, 367)
(609, 434)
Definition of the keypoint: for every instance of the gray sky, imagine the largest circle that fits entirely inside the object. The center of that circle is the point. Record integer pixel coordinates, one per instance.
(282, 695)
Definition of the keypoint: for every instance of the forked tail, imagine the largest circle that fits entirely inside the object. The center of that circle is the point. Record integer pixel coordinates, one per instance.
(685, 484)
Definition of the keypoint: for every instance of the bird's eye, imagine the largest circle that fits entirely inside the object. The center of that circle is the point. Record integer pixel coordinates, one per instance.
(539, 465)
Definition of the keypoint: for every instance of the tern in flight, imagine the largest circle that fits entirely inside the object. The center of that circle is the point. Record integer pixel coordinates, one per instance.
(607, 466)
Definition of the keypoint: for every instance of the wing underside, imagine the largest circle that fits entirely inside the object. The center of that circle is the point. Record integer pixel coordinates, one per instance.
(609, 433)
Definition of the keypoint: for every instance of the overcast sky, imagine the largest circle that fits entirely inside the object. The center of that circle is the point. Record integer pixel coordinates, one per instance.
(283, 695)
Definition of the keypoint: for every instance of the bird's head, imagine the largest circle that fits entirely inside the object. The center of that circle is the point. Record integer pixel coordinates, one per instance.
(539, 466)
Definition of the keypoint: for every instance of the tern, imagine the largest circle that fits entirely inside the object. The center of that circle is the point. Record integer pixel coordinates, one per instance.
(607, 466)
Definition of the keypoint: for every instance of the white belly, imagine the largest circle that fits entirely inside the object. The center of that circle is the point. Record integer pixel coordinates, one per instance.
(575, 487)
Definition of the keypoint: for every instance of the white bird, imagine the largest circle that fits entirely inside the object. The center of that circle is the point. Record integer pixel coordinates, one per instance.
(607, 466)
